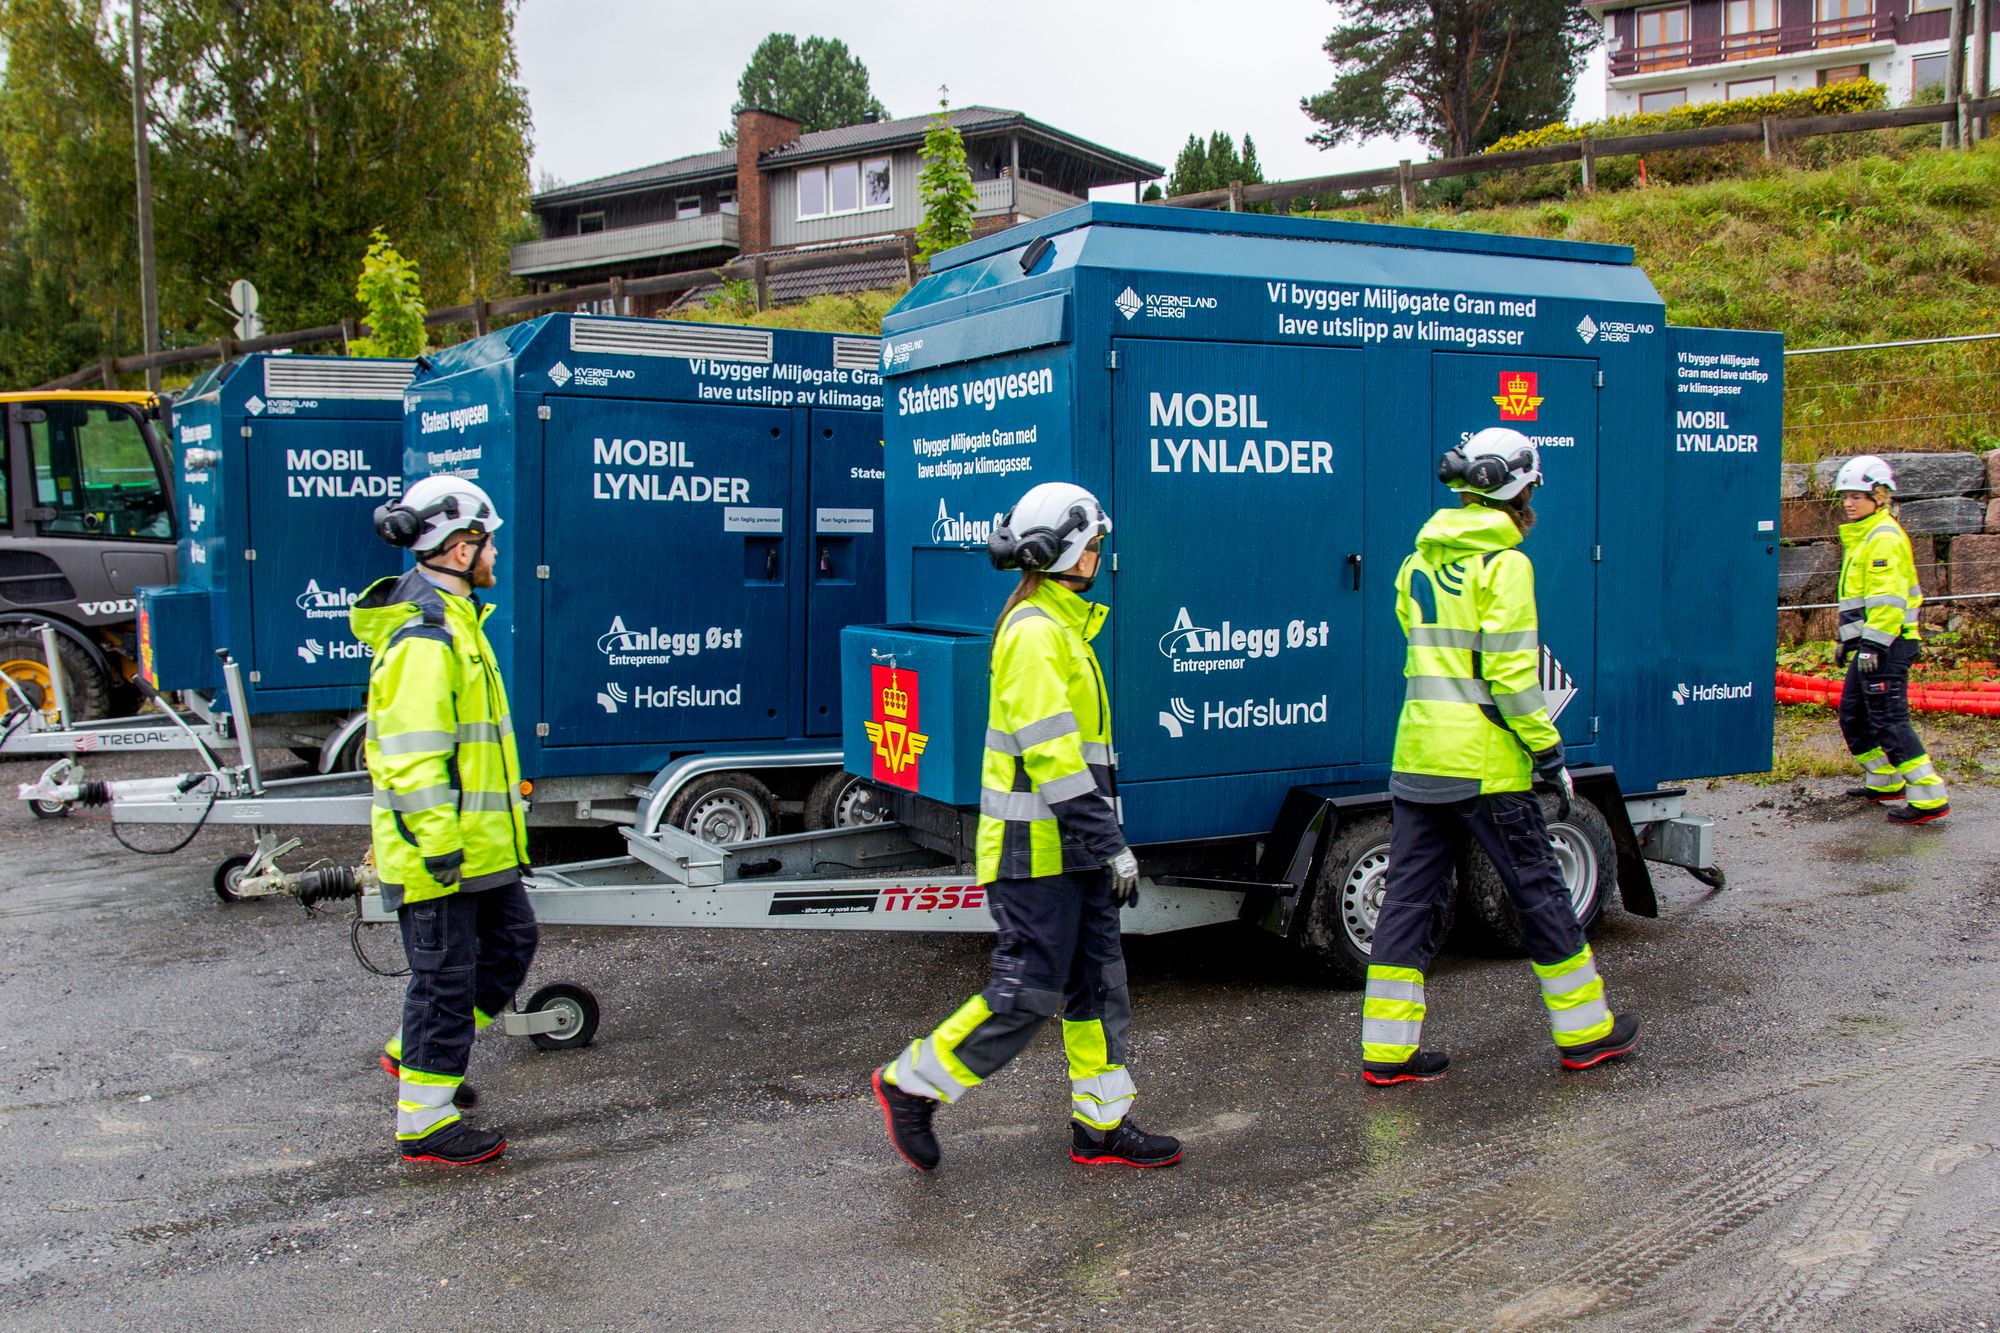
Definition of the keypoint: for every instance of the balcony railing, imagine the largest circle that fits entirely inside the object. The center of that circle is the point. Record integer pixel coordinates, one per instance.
(624, 245)
(1029, 199)
(1823, 34)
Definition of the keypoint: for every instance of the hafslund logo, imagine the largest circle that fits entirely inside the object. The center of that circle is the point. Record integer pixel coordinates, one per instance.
(312, 651)
(1685, 693)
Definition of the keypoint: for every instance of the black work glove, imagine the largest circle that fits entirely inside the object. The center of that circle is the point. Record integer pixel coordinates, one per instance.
(1868, 659)
(1552, 776)
(446, 869)
(1843, 652)
(1123, 871)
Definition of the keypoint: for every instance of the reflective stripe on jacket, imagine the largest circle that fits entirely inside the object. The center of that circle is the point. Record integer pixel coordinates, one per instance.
(440, 743)
(1472, 706)
(1879, 596)
(1049, 785)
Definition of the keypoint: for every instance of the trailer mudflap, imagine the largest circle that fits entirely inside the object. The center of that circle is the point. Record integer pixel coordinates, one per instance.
(1635, 879)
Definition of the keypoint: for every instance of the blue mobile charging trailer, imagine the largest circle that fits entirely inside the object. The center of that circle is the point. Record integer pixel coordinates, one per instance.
(692, 514)
(1261, 403)
(282, 461)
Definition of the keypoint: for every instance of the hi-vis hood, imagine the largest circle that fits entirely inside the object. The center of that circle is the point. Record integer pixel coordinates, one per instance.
(1454, 534)
(389, 604)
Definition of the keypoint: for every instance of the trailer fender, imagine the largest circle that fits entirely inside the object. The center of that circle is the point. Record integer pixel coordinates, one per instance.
(329, 752)
(1635, 878)
(1295, 851)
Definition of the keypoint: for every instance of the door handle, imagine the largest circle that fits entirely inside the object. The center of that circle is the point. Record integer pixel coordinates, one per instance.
(1354, 566)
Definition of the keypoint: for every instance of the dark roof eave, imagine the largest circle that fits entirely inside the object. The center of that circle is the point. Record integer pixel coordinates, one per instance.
(583, 194)
(1136, 168)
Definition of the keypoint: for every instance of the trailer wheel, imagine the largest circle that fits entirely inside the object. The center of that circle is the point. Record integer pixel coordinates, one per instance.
(21, 657)
(229, 877)
(48, 809)
(842, 800)
(1340, 922)
(1584, 852)
(579, 1010)
(724, 808)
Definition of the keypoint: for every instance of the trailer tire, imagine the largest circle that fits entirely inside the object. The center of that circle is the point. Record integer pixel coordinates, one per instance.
(1587, 856)
(229, 875)
(21, 656)
(725, 808)
(841, 800)
(1339, 929)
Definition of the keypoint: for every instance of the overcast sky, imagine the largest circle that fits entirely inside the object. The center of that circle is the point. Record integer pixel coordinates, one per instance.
(618, 84)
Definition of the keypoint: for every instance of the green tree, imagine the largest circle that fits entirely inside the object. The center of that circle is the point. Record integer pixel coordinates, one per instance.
(392, 302)
(1213, 164)
(944, 186)
(1457, 74)
(285, 134)
(817, 82)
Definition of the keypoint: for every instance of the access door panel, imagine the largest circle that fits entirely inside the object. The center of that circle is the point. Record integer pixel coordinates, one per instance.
(844, 570)
(1237, 617)
(665, 618)
(1553, 401)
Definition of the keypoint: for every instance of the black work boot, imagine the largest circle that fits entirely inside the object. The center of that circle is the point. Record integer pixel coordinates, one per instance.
(464, 1096)
(1127, 1145)
(1624, 1035)
(1877, 795)
(1910, 814)
(908, 1120)
(457, 1144)
(1423, 1067)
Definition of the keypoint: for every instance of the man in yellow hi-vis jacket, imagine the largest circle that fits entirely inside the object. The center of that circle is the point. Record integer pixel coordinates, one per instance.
(448, 828)
(1475, 738)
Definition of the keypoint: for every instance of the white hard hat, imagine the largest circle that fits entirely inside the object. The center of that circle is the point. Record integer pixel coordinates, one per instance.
(434, 511)
(1864, 473)
(1048, 529)
(1498, 463)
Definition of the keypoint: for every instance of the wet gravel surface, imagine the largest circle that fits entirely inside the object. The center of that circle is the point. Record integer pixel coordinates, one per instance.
(193, 1129)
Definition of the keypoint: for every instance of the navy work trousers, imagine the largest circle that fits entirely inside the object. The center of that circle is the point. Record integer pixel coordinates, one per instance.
(467, 951)
(1428, 841)
(1875, 708)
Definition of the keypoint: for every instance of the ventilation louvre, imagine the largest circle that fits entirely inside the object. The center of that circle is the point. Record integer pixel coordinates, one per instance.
(335, 377)
(660, 338)
(857, 353)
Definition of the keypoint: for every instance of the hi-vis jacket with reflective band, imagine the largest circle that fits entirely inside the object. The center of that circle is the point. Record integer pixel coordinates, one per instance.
(1049, 787)
(1879, 596)
(1472, 704)
(440, 744)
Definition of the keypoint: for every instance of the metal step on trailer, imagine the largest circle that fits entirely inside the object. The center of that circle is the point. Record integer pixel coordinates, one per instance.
(871, 877)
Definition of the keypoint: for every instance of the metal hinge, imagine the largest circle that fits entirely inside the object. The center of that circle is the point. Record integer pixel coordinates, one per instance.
(543, 411)
(1593, 726)
(541, 728)
(249, 555)
(1111, 359)
(244, 432)
(1114, 562)
(1600, 379)
(1596, 553)
(256, 677)
(541, 571)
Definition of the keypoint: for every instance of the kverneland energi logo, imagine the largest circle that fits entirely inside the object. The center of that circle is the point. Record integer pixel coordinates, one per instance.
(325, 603)
(951, 529)
(1128, 303)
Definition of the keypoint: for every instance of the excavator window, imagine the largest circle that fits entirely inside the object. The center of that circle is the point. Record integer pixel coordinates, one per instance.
(95, 473)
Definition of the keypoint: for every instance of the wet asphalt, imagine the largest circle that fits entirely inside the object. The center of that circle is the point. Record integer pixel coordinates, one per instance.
(193, 1129)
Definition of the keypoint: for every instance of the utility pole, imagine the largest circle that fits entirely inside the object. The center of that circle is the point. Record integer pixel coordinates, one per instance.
(1954, 76)
(1982, 57)
(149, 292)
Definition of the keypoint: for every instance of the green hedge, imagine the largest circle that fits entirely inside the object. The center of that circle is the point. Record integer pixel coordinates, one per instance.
(1833, 100)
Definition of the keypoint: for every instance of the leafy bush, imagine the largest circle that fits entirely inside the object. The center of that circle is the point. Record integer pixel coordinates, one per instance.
(1834, 99)
(392, 302)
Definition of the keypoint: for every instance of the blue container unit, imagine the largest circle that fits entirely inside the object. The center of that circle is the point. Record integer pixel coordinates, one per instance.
(692, 514)
(1261, 403)
(282, 460)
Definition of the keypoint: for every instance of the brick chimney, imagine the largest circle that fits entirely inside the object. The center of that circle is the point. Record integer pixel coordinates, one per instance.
(757, 133)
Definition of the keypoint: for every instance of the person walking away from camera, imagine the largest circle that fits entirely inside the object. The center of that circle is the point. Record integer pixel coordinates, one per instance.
(1878, 639)
(1472, 744)
(1050, 852)
(448, 827)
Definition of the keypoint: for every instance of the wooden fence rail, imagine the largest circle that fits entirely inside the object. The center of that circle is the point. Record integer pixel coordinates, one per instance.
(1771, 132)
(755, 269)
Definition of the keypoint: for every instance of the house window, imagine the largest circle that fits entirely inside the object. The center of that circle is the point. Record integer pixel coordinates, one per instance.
(845, 187)
(1842, 74)
(1919, 6)
(1750, 28)
(725, 202)
(687, 208)
(1929, 72)
(1750, 88)
(587, 223)
(1843, 22)
(1663, 37)
(1665, 100)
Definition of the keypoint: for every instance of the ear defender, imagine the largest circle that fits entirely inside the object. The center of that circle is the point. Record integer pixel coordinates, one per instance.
(1037, 548)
